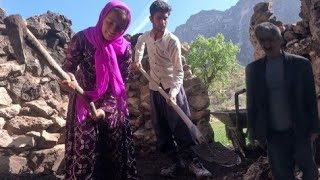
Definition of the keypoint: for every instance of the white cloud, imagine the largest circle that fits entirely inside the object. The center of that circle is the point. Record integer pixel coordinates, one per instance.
(143, 20)
(141, 26)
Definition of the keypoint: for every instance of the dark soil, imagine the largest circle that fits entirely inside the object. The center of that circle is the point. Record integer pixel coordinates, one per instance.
(149, 165)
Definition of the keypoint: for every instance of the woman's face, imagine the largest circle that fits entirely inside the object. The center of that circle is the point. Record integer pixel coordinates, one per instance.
(114, 24)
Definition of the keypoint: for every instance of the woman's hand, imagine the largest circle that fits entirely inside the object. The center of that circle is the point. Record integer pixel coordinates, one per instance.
(99, 116)
(136, 66)
(69, 85)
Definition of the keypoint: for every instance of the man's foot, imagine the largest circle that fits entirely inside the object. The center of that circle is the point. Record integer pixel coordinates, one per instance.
(172, 170)
(169, 171)
(197, 169)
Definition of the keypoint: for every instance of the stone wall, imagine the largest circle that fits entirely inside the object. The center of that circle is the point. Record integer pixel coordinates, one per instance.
(33, 107)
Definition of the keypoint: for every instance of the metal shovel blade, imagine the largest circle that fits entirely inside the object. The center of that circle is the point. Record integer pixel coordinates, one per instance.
(216, 152)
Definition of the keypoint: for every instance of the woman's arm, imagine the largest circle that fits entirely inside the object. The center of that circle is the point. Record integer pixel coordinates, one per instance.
(74, 53)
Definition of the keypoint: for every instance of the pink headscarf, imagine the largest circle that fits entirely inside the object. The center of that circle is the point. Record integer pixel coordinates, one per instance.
(106, 64)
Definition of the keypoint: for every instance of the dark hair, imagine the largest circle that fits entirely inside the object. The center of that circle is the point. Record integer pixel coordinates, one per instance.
(267, 27)
(120, 11)
(159, 6)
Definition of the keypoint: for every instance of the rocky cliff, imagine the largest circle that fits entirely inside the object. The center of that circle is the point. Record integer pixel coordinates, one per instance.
(234, 23)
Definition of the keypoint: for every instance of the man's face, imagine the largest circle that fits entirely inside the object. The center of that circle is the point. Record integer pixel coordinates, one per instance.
(159, 20)
(270, 44)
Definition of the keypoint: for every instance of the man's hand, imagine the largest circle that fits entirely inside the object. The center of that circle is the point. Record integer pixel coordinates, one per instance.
(172, 99)
(99, 116)
(69, 85)
(256, 143)
(314, 136)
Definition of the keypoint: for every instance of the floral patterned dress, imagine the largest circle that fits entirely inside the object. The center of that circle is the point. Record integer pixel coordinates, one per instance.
(103, 149)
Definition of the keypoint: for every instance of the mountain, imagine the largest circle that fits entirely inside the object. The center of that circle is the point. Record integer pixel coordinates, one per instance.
(234, 23)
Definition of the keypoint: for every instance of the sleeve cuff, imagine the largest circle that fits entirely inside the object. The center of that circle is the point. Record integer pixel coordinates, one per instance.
(173, 92)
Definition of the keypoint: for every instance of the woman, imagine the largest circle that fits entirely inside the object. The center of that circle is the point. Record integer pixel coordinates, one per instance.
(100, 146)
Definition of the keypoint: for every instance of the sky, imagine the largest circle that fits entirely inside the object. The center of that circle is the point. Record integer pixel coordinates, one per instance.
(85, 13)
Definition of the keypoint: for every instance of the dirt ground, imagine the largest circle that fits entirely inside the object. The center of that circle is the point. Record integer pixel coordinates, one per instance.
(149, 165)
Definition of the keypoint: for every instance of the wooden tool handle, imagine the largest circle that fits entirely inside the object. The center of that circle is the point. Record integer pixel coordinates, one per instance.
(193, 128)
(52, 63)
(19, 23)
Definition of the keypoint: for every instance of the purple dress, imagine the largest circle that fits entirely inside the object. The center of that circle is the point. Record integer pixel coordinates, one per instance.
(103, 149)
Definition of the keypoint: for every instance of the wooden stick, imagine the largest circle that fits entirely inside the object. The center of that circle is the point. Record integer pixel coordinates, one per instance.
(19, 22)
(193, 128)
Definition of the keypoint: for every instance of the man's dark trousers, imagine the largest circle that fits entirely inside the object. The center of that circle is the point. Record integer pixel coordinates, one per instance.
(285, 150)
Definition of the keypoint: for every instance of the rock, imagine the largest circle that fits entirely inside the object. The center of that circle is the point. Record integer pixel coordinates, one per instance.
(10, 70)
(24, 89)
(258, 170)
(58, 124)
(2, 15)
(2, 123)
(34, 67)
(39, 108)
(22, 143)
(47, 159)
(48, 140)
(38, 27)
(197, 115)
(5, 139)
(13, 165)
(133, 105)
(23, 124)
(5, 99)
(289, 36)
(10, 111)
(199, 102)
(16, 36)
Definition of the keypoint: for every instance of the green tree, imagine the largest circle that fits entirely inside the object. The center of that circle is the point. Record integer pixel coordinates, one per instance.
(212, 59)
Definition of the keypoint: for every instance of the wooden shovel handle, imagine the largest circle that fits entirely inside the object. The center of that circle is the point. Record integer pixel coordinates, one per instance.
(193, 128)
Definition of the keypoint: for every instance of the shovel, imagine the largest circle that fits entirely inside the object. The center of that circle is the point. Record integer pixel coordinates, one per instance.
(16, 21)
(213, 152)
